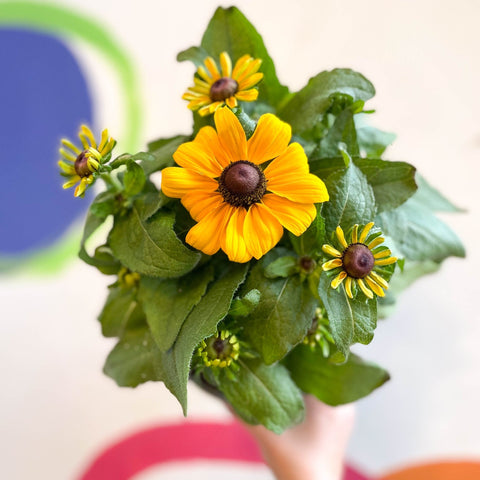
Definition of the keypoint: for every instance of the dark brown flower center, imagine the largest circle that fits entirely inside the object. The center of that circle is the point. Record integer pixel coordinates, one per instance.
(307, 264)
(223, 88)
(358, 260)
(218, 347)
(81, 165)
(242, 184)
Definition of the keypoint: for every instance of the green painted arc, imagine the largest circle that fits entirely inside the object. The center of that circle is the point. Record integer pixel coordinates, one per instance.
(56, 19)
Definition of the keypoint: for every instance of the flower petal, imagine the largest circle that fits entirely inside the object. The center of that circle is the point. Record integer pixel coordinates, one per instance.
(233, 243)
(200, 203)
(261, 230)
(386, 261)
(198, 158)
(247, 95)
(368, 293)
(348, 286)
(292, 161)
(365, 231)
(207, 138)
(380, 280)
(231, 135)
(226, 64)
(250, 81)
(338, 279)
(331, 264)
(212, 68)
(270, 139)
(207, 235)
(341, 236)
(331, 251)
(295, 217)
(376, 288)
(176, 182)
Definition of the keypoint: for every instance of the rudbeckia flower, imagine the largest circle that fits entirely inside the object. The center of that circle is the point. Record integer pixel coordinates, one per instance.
(215, 87)
(359, 261)
(219, 350)
(242, 193)
(80, 165)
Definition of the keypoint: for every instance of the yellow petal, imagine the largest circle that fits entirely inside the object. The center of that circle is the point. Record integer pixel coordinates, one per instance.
(292, 160)
(88, 133)
(103, 140)
(355, 234)
(250, 68)
(376, 288)
(378, 279)
(307, 188)
(261, 230)
(200, 203)
(194, 156)
(250, 81)
(67, 143)
(270, 139)
(331, 251)
(233, 243)
(368, 293)
(207, 139)
(377, 241)
(176, 182)
(231, 135)
(341, 236)
(295, 217)
(202, 72)
(365, 231)
(338, 279)
(247, 95)
(81, 187)
(226, 64)
(207, 235)
(386, 261)
(231, 102)
(348, 287)
(71, 182)
(382, 253)
(66, 168)
(331, 264)
(67, 155)
(212, 68)
(240, 66)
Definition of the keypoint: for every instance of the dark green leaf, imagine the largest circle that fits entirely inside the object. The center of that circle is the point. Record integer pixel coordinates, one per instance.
(162, 151)
(167, 303)
(105, 261)
(150, 247)
(351, 199)
(241, 307)
(418, 234)
(372, 141)
(342, 131)
(264, 395)
(200, 324)
(351, 320)
(330, 383)
(230, 31)
(284, 315)
(312, 240)
(134, 178)
(306, 107)
(121, 312)
(133, 360)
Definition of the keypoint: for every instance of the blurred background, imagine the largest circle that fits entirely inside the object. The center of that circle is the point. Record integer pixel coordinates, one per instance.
(113, 65)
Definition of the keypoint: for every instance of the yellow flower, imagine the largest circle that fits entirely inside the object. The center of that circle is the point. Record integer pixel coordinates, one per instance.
(219, 350)
(213, 87)
(240, 204)
(80, 166)
(359, 261)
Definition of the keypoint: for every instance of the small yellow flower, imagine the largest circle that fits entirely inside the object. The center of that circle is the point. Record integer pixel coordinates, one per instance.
(240, 206)
(80, 166)
(219, 350)
(359, 261)
(215, 87)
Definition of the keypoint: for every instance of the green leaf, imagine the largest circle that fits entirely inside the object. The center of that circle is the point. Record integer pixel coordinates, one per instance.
(167, 303)
(133, 360)
(418, 234)
(264, 395)
(197, 55)
(105, 261)
(306, 107)
(150, 247)
(284, 315)
(330, 383)
(134, 179)
(372, 141)
(351, 199)
(343, 131)
(393, 183)
(312, 240)
(432, 199)
(162, 151)
(229, 30)
(200, 324)
(351, 320)
(241, 307)
(282, 267)
(121, 312)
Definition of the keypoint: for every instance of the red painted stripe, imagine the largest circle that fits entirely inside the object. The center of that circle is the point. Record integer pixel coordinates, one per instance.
(180, 442)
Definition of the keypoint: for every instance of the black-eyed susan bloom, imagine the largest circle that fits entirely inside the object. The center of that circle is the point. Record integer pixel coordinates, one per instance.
(219, 350)
(240, 206)
(359, 261)
(214, 87)
(80, 165)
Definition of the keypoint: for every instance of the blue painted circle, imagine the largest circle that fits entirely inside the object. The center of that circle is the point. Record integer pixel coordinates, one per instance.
(43, 97)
